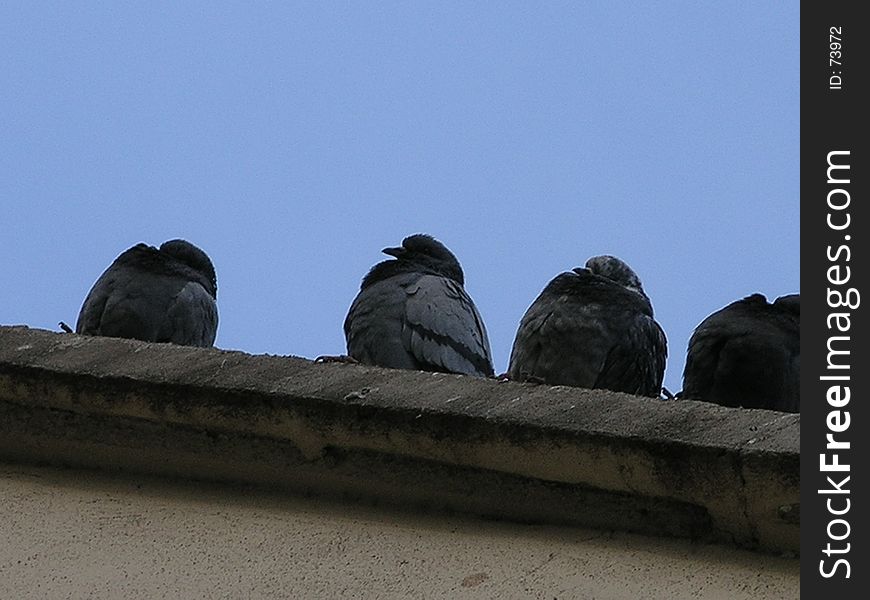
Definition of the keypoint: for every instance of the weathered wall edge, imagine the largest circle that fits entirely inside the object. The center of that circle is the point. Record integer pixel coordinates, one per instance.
(495, 448)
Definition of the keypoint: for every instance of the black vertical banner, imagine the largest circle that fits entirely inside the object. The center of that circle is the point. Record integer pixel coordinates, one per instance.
(835, 366)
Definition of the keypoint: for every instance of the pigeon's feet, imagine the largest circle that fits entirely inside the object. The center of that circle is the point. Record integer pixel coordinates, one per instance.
(341, 358)
(66, 328)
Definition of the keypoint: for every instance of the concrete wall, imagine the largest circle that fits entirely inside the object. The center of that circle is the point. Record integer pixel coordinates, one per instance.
(82, 534)
(434, 442)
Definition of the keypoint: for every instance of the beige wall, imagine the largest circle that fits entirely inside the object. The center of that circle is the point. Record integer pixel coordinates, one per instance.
(83, 534)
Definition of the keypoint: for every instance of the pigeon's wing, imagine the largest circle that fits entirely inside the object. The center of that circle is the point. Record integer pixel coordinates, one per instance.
(138, 307)
(758, 371)
(791, 397)
(729, 359)
(442, 328)
(91, 313)
(191, 319)
(121, 305)
(702, 359)
(635, 362)
(111, 307)
(557, 342)
(788, 339)
(374, 328)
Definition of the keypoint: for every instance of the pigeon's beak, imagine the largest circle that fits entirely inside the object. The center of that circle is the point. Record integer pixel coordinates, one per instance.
(397, 252)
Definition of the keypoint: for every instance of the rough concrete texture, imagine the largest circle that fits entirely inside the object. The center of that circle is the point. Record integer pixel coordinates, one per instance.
(81, 534)
(502, 449)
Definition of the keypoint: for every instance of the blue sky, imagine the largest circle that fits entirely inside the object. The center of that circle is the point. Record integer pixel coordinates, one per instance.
(292, 141)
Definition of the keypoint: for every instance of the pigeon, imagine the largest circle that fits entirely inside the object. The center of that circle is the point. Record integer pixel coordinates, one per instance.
(593, 328)
(155, 295)
(414, 313)
(747, 354)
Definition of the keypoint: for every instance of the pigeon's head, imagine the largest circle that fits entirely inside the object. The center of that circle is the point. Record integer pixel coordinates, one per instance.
(423, 252)
(790, 303)
(185, 252)
(614, 269)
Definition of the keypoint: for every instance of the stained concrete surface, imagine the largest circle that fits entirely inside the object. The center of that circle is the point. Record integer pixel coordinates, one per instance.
(84, 534)
(499, 449)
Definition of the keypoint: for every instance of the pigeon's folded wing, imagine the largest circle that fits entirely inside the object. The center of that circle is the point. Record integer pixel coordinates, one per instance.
(374, 328)
(555, 344)
(635, 362)
(192, 317)
(443, 329)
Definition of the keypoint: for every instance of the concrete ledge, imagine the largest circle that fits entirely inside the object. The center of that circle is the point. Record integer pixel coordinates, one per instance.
(499, 449)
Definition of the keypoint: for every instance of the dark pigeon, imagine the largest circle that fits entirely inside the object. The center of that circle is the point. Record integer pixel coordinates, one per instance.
(592, 328)
(155, 295)
(413, 313)
(747, 354)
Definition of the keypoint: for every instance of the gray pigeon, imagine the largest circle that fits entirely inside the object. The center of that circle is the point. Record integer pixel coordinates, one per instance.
(592, 328)
(155, 295)
(413, 313)
(747, 354)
